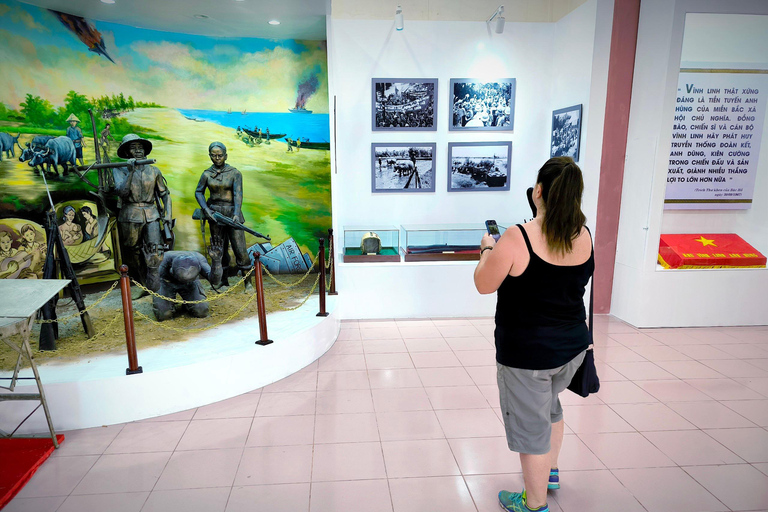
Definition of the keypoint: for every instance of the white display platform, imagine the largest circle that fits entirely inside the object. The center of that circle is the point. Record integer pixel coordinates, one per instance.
(208, 367)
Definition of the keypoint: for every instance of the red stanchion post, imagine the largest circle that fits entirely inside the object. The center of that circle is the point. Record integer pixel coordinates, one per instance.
(263, 338)
(130, 333)
(332, 258)
(321, 285)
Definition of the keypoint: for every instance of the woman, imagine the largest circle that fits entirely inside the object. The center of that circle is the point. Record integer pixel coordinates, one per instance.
(91, 223)
(71, 233)
(225, 196)
(540, 270)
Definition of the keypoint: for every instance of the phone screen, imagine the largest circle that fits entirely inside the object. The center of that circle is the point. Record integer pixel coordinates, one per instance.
(493, 229)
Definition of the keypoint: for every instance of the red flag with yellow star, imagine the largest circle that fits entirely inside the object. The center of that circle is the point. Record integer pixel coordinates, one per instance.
(723, 250)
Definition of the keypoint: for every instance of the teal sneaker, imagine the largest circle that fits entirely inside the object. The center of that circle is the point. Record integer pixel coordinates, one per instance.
(554, 479)
(515, 502)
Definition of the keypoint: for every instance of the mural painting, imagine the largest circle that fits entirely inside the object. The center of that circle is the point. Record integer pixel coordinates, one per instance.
(22, 249)
(265, 100)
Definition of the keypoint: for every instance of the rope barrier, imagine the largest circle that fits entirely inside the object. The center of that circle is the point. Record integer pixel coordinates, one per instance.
(287, 285)
(182, 301)
(330, 278)
(84, 311)
(199, 329)
(108, 326)
(311, 292)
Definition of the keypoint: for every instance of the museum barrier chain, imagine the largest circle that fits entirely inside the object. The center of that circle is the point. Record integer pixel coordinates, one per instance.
(106, 328)
(199, 329)
(182, 301)
(84, 311)
(330, 278)
(287, 285)
(311, 292)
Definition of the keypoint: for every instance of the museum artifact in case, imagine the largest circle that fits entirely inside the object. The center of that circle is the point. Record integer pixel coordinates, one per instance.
(442, 242)
(367, 244)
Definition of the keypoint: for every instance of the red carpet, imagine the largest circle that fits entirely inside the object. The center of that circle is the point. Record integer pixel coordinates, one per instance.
(20, 459)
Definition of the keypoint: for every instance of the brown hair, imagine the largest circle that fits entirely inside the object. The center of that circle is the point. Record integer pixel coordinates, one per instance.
(561, 188)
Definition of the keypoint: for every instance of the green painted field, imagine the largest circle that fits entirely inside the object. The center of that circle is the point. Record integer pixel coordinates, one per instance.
(285, 194)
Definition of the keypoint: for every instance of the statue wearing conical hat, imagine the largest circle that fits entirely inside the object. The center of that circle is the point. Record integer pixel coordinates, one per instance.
(76, 134)
(139, 218)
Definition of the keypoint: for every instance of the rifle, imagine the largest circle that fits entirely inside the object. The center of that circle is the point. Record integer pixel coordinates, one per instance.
(165, 226)
(223, 219)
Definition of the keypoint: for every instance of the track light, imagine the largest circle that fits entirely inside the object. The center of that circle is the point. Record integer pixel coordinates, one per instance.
(399, 18)
(500, 20)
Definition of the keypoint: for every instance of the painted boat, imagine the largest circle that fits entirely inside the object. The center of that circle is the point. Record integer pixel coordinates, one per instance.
(299, 111)
(272, 136)
(313, 145)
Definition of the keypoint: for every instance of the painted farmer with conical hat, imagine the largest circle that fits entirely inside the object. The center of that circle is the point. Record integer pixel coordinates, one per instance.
(76, 134)
(139, 219)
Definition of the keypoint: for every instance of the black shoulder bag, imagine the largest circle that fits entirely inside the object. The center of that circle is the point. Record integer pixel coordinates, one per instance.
(585, 380)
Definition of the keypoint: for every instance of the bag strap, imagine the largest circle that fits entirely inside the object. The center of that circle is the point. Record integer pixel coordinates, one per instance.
(591, 292)
(591, 300)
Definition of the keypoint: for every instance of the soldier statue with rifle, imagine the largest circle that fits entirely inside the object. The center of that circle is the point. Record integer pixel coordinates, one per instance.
(225, 186)
(142, 221)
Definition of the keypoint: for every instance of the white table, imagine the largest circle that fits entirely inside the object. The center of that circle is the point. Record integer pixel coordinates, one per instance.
(19, 301)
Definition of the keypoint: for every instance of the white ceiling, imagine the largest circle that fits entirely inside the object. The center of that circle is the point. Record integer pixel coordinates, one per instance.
(299, 19)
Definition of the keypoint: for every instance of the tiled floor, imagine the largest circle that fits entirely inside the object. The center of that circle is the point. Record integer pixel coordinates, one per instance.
(403, 416)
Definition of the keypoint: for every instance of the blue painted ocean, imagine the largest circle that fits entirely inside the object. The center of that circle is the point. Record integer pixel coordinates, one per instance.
(312, 127)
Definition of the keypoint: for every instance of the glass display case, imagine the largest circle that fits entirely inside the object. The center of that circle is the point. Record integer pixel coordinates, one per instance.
(442, 242)
(367, 244)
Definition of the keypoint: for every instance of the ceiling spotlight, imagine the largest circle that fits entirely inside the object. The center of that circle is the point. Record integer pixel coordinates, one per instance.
(107, 1)
(201, 16)
(274, 22)
(500, 20)
(399, 18)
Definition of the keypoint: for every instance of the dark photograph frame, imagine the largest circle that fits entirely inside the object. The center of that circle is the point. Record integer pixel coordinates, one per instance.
(402, 167)
(479, 166)
(566, 132)
(404, 104)
(481, 105)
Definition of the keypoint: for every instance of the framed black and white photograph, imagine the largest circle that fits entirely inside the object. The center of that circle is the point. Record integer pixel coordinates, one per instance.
(566, 132)
(403, 167)
(482, 105)
(404, 104)
(478, 166)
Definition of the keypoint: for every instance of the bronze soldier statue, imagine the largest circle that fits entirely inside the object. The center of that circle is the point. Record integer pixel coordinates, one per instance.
(225, 187)
(139, 188)
(178, 272)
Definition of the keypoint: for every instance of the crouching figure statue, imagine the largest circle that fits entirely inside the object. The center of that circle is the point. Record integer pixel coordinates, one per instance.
(177, 272)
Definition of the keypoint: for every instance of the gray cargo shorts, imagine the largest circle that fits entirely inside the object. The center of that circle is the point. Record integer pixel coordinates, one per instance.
(529, 403)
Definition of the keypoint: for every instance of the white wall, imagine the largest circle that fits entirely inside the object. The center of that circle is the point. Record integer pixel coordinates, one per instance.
(553, 65)
(642, 295)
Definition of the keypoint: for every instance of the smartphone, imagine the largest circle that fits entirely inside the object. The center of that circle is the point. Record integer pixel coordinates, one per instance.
(493, 229)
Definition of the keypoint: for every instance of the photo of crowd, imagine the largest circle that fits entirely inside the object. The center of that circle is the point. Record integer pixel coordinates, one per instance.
(566, 132)
(404, 104)
(478, 166)
(482, 105)
(403, 167)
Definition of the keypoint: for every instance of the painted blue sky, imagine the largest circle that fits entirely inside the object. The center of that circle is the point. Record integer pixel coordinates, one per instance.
(177, 70)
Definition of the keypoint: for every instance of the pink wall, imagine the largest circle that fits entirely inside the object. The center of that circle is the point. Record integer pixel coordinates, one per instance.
(619, 96)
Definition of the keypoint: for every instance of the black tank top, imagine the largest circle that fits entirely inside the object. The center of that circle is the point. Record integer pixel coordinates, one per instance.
(540, 316)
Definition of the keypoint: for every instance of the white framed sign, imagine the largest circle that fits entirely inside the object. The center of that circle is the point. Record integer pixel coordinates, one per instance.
(718, 126)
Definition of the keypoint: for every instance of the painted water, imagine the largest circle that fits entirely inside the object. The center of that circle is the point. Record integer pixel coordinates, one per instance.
(308, 127)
